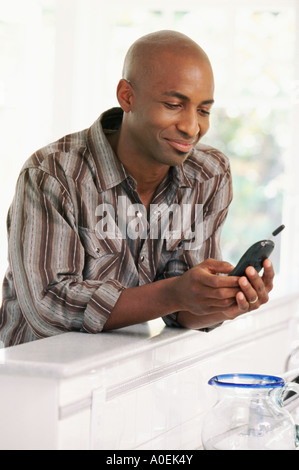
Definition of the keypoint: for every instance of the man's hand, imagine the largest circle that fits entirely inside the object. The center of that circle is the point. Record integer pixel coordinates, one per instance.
(202, 296)
(208, 298)
(255, 289)
(201, 290)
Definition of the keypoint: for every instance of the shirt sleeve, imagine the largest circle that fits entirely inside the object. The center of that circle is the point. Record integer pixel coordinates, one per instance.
(47, 261)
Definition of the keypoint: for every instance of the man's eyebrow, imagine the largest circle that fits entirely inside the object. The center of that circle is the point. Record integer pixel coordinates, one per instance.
(176, 94)
(208, 102)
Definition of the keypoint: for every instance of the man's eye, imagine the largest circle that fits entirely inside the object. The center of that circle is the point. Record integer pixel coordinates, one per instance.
(204, 112)
(172, 106)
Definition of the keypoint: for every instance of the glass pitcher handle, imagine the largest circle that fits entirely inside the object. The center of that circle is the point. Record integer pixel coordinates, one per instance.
(289, 387)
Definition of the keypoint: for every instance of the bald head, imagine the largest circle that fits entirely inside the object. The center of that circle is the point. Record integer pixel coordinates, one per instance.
(150, 53)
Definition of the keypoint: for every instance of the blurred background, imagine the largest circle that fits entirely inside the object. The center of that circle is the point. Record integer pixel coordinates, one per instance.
(60, 62)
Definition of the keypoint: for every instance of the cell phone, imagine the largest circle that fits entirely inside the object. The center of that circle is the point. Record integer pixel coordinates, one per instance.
(256, 255)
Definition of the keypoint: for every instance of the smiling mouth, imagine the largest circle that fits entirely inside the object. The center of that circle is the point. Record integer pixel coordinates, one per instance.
(181, 145)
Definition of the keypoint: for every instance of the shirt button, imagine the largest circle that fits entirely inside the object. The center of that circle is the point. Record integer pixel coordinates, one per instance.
(139, 214)
(142, 259)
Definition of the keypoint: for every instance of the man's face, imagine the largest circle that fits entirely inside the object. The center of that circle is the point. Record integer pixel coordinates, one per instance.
(170, 111)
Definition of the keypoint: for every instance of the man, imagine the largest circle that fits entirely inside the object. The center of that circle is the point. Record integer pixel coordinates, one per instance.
(71, 268)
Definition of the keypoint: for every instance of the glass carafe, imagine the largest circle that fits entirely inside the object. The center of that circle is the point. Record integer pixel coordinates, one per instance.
(249, 414)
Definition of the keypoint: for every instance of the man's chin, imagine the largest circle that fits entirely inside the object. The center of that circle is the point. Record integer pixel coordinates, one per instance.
(181, 157)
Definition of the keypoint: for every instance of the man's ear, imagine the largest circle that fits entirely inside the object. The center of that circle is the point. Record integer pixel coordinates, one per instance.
(125, 94)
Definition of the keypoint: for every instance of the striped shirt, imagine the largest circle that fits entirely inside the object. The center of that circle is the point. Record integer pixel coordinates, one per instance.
(64, 275)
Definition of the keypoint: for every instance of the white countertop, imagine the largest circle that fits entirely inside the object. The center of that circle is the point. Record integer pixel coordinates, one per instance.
(70, 354)
(142, 387)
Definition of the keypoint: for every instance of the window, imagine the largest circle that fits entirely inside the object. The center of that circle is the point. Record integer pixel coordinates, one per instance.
(63, 60)
(27, 52)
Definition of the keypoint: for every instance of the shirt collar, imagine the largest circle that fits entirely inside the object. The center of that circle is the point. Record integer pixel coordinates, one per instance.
(111, 171)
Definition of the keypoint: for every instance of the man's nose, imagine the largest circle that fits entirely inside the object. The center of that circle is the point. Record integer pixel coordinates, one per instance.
(189, 123)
